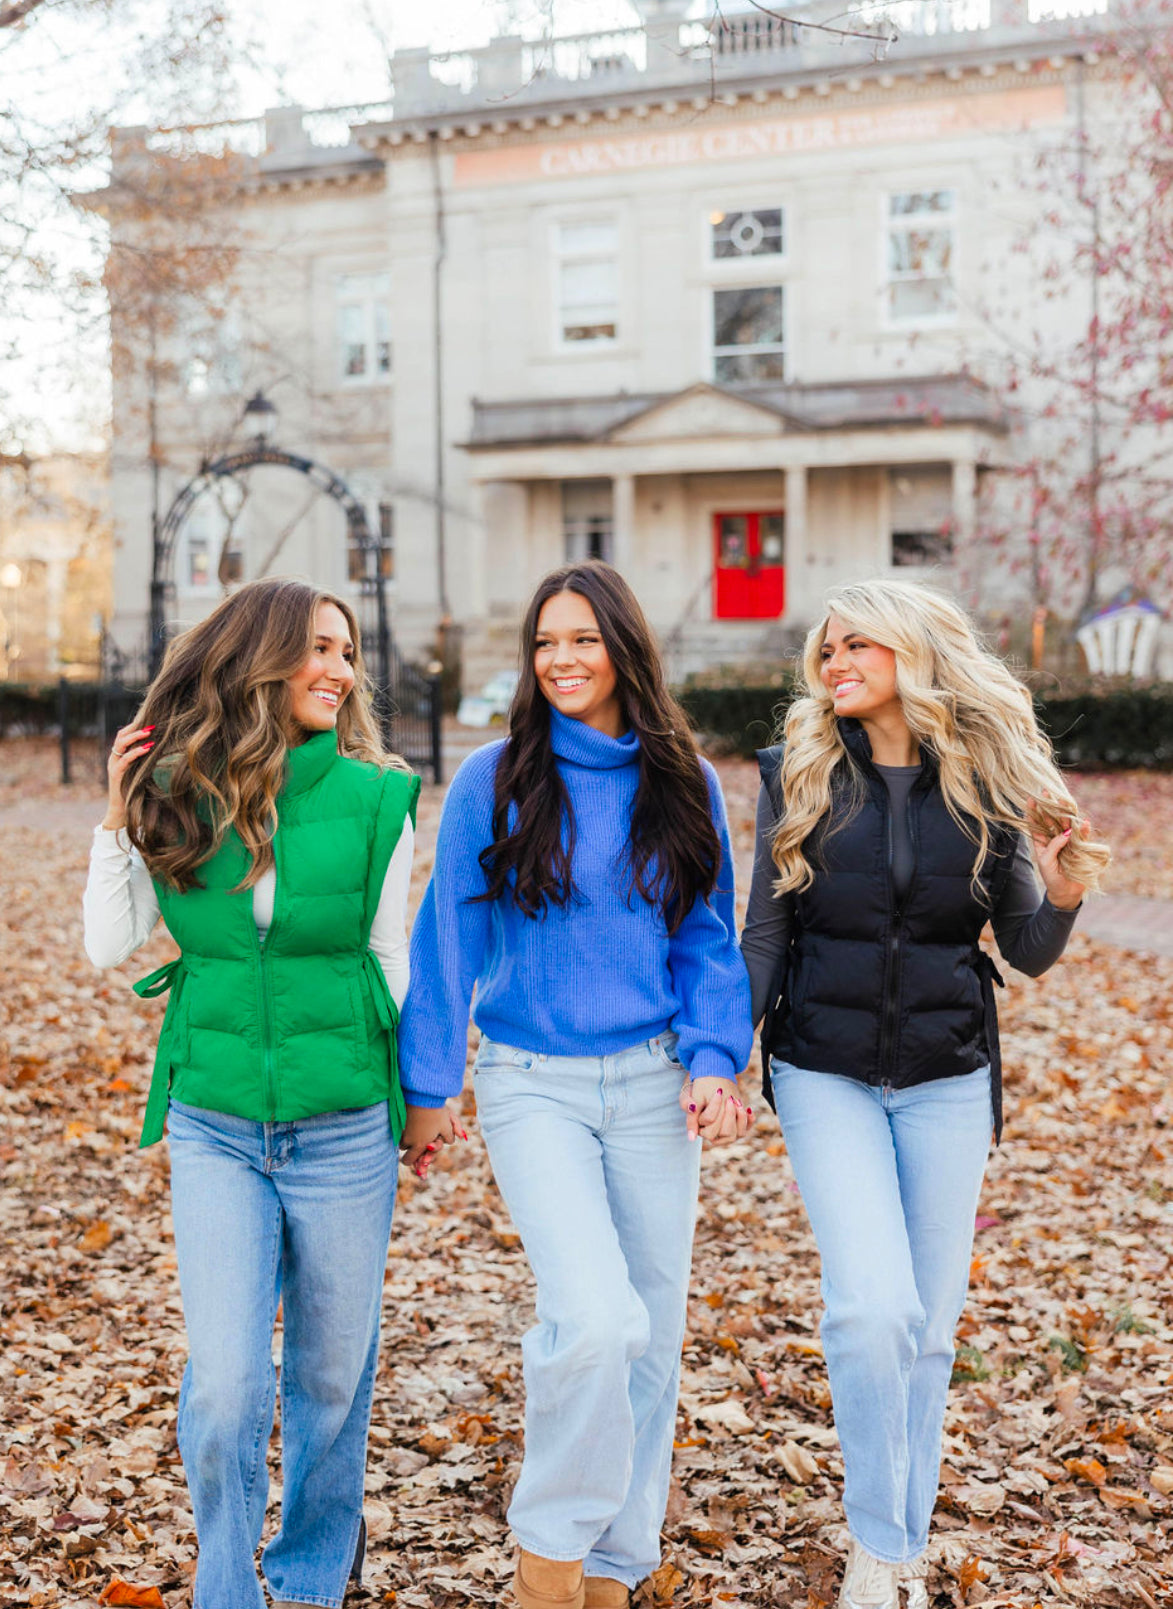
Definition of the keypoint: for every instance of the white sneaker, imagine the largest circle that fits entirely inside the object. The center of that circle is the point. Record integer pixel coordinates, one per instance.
(868, 1583)
(914, 1580)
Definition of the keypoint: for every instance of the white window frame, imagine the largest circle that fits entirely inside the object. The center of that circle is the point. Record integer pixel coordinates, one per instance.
(755, 267)
(905, 224)
(558, 256)
(759, 282)
(376, 295)
(211, 360)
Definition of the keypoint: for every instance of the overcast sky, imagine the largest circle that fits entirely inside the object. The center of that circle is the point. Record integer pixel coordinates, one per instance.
(318, 65)
(305, 51)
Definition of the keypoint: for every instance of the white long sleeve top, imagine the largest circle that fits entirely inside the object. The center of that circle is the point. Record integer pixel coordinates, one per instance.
(120, 907)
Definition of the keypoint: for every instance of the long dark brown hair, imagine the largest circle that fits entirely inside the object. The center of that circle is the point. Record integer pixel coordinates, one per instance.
(222, 715)
(674, 853)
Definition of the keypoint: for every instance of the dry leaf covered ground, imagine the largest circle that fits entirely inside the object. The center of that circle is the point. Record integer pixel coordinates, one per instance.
(1059, 1447)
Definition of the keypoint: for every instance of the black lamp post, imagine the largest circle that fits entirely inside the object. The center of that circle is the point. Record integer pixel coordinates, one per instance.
(260, 417)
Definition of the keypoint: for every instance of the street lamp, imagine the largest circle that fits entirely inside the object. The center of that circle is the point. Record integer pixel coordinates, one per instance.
(260, 417)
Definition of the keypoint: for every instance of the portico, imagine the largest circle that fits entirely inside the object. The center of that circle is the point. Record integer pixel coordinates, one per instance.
(724, 504)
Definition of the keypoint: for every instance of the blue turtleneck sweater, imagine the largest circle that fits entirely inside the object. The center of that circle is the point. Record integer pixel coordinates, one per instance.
(588, 979)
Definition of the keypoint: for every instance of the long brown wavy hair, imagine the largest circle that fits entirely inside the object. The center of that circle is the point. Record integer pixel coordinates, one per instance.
(674, 854)
(222, 715)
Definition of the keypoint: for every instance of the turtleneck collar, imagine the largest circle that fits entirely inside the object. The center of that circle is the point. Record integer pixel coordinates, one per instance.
(309, 761)
(586, 746)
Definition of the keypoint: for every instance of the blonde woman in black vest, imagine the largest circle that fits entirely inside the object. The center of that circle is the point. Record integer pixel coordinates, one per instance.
(252, 805)
(895, 820)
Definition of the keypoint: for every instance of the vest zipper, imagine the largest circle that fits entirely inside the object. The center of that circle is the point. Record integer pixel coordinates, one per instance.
(268, 1081)
(890, 1025)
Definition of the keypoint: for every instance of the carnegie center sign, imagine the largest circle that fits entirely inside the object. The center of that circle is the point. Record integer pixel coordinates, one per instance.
(911, 122)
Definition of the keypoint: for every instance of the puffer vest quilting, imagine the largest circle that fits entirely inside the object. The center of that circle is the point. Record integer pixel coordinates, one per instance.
(303, 1023)
(888, 992)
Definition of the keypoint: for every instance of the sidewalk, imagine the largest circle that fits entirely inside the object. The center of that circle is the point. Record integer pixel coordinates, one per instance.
(1131, 921)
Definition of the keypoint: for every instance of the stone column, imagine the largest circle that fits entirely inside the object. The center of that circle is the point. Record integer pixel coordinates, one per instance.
(798, 576)
(964, 527)
(623, 523)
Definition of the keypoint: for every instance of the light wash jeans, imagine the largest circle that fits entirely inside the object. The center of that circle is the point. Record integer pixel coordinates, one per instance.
(593, 1159)
(890, 1181)
(302, 1212)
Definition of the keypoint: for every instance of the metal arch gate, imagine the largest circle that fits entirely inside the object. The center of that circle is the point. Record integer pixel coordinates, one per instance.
(407, 701)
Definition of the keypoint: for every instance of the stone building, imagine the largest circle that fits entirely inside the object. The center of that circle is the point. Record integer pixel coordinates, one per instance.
(55, 566)
(715, 303)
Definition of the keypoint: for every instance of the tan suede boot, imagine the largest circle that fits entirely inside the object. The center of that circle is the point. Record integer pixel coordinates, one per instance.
(547, 1583)
(604, 1593)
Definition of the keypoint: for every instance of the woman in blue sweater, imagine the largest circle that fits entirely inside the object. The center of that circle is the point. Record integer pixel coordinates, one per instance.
(583, 885)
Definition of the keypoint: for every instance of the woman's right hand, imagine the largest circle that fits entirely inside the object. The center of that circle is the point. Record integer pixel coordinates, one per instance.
(126, 749)
(714, 1111)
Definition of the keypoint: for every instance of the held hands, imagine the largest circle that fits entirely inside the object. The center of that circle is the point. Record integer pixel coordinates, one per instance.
(715, 1111)
(130, 744)
(1063, 892)
(427, 1130)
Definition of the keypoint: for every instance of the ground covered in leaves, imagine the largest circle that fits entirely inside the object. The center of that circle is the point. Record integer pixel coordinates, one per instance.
(1059, 1446)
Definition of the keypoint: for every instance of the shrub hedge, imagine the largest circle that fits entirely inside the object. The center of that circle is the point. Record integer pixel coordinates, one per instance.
(1106, 728)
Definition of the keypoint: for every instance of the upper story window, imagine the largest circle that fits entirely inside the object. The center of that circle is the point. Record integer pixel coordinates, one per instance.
(749, 333)
(920, 236)
(736, 235)
(364, 328)
(211, 362)
(586, 269)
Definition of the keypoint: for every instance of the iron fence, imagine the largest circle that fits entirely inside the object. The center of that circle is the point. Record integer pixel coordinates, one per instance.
(407, 705)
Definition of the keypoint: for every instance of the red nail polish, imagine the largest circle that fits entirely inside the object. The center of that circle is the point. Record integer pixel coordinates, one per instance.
(749, 1111)
(148, 728)
(692, 1107)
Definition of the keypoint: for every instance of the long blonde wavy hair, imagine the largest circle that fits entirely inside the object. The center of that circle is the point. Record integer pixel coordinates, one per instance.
(960, 702)
(222, 714)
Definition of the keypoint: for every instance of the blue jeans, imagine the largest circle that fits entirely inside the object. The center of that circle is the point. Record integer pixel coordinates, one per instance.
(890, 1180)
(594, 1162)
(299, 1212)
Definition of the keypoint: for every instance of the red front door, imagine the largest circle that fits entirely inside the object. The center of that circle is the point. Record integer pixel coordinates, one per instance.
(749, 571)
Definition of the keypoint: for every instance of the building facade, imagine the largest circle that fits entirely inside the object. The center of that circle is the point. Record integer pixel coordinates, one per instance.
(723, 304)
(55, 566)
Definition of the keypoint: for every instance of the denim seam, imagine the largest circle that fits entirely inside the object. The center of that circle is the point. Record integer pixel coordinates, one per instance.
(270, 1395)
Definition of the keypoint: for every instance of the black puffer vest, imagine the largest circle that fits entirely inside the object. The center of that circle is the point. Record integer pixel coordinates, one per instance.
(888, 993)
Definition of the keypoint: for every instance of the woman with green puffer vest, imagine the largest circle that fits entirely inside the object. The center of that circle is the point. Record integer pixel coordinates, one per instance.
(274, 836)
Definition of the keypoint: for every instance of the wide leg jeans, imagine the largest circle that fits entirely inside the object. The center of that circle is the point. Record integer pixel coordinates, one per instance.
(593, 1159)
(890, 1181)
(299, 1212)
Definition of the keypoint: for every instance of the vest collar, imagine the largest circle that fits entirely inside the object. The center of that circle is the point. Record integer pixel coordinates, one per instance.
(309, 761)
(583, 745)
(858, 745)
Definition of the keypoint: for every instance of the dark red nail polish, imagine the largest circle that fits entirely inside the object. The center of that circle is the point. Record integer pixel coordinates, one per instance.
(692, 1107)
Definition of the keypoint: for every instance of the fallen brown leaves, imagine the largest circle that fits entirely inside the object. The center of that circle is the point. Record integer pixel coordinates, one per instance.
(1066, 1368)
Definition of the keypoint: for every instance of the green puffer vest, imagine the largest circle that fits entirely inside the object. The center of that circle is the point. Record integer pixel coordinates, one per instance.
(304, 1023)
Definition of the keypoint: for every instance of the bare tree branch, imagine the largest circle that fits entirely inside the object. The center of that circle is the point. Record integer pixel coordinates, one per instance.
(16, 11)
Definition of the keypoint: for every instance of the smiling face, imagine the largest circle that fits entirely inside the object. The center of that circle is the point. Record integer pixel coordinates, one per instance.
(859, 674)
(319, 688)
(572, 665)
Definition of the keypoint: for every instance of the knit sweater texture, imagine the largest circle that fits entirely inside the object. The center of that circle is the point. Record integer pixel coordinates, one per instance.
(590, 978)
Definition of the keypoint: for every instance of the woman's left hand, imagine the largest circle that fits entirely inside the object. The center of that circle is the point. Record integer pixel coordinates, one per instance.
(1063, 892)
(427, 1130)
(714, 1110)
